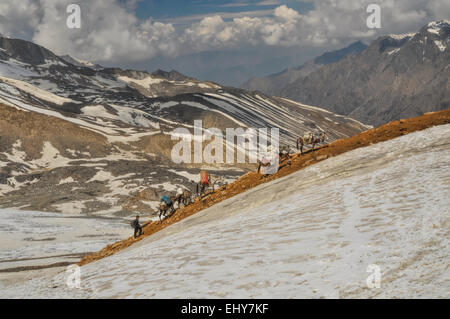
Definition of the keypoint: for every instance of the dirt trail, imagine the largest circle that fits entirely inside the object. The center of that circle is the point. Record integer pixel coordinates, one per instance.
(383, 133)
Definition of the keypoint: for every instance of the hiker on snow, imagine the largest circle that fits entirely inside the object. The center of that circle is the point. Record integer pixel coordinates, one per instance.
(137, 227)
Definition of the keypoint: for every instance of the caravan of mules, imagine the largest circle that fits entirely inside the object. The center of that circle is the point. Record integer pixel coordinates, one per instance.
(167, 204)
(186, 197)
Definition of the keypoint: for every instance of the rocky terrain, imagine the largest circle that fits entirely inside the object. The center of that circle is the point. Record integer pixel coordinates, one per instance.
(397, 76)
(79, 138)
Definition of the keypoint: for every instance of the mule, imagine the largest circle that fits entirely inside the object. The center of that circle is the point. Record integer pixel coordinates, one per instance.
(184, 197)
(310, 139)
(165, 207)
(284, 153)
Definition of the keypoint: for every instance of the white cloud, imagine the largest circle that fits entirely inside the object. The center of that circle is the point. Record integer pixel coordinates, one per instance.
(285, 13)
(330, 22)
(111, 31)
(214, 32)
(19, 18)
(189, 19)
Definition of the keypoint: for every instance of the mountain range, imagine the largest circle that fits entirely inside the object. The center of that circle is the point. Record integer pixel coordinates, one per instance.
(396, 76)
(77, 137)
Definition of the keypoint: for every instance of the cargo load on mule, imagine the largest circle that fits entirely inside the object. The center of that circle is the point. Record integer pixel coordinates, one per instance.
(166, 205)
(184, 196)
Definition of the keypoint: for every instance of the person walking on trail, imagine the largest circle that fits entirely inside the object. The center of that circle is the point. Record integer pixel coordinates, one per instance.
(137, 227)
(204, 182)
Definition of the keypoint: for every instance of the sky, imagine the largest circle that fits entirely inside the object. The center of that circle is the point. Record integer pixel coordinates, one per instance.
(181, 12)
(226, 41)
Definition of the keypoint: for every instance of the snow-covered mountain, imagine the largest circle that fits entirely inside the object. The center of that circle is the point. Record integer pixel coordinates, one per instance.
(321, 232)
(396, 76)
(33, 75)
(81, 139)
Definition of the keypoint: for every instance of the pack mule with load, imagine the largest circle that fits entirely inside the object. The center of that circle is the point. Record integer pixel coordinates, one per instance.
(310, 138)
(166, 205)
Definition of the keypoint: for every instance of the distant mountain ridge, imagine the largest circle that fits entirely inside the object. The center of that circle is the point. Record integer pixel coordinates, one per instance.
(274, 83)
(397, 76)
(336, 56)
(80, 63)
(25, 51)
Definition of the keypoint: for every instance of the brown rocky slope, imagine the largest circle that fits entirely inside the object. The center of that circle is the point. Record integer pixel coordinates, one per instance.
(383, 133)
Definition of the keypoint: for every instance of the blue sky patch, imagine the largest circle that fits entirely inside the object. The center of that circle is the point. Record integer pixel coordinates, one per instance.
(188, 11)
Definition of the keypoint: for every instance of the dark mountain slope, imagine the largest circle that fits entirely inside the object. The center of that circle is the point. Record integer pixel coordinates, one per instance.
(395, 77)
(275, 83)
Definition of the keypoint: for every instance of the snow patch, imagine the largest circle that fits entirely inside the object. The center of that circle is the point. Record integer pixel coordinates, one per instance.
(393, 51)
(440, 45)
(146, 82)
(101, 176)
(66, 180)
(435, 27)
(37, 92)
(402, 36)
